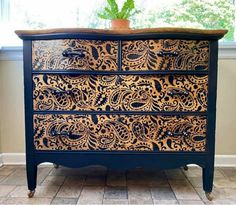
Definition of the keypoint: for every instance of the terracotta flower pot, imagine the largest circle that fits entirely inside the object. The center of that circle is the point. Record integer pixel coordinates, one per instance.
(120, 24)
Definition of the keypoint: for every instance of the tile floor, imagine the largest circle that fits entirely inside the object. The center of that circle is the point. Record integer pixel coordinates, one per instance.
(97, 185)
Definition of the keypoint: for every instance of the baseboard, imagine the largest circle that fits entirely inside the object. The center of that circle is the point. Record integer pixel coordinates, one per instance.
(225, 160)
(13, 158)
(19, 159)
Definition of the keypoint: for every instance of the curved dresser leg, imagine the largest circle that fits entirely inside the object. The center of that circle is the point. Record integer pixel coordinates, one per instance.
(55, 166)
(208, 175)
(31, 179)
(31, 193)
(209, 196)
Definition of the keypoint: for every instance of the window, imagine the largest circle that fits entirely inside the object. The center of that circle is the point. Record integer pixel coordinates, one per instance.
(28, 14)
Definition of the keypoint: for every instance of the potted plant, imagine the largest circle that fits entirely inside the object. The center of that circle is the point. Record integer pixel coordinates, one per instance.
(119, 18)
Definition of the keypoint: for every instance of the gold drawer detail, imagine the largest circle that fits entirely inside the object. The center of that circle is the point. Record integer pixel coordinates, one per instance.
(120, 92)
(74, 54)
(165, 54)
(120, 132)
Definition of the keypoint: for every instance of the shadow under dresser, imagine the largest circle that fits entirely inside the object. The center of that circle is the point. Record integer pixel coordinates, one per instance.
(122, 99)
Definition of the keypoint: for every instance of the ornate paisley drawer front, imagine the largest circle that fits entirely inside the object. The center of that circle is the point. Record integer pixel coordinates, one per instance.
(74, 54)
(120, 132)
(165, 54)
(120, 92)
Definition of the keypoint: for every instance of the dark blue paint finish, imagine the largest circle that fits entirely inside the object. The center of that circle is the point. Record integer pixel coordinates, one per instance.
(120, 159)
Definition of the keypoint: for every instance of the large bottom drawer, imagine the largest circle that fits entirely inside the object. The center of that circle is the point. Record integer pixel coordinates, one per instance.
(119, 132)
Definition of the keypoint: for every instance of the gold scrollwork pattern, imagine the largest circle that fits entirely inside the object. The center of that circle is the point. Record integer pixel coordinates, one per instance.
(165, 54)
(120, 132)
(93, 55)
(120, 92)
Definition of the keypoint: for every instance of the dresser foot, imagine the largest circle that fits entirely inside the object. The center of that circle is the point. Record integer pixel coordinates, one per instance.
(185, 167)
(209, 196)
(31, 193)
(56, 166)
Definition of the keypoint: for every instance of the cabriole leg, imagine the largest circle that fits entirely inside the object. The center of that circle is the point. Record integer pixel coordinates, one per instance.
(208, 175)
(31, 179)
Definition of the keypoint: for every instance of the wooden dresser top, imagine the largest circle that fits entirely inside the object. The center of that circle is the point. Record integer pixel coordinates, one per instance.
(28, 34)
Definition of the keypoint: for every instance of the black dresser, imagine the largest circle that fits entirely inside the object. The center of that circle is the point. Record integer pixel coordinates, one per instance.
(122, 99)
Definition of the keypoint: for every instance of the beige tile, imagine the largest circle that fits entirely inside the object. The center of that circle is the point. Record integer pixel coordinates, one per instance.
(91, 170)
(65, 171)
(91, 195)
(64, 201)
(2, 177)
(42, 173)
(115, 202)
(197, 172)
(116, 178)
(175, 174)
(13, 166)
(5, 190)
(113, 192)
(53, 180)
(74, 180)
(218, 173)
(139, 195)
(95, 180)
(69, 191)
(191, 202)
(6, 170)
(41, 191)
(193, 171)
(2, 199)
(222, 202)
(46, 191)
(27, 201)
(184, 191)
(162, 193)
(196, 181)
(165, 202)
(179, 181)
(95, 170)
(146, 178)
(224, 183)
(18, 177)
(220, 195)
(229, 172)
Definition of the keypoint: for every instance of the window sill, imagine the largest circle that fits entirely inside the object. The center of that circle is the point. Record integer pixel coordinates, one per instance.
(227, 50)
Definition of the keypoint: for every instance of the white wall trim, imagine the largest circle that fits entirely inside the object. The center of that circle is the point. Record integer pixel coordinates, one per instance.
(19, 159)
(227, 50)
(11, 54)
(13, 158)
(225, 160)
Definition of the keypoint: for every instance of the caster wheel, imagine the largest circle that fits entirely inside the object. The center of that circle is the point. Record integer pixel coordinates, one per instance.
(55, 166)
(185, 167)
(209, 196)
(31, 193)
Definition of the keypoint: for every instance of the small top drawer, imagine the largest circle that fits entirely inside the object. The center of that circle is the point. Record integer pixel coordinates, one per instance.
(165, 54)
(74, 54)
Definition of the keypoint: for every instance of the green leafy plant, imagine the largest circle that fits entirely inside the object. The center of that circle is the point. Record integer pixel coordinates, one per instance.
(111, 11)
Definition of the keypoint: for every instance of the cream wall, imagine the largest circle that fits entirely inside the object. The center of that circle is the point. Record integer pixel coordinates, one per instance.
(12, 107)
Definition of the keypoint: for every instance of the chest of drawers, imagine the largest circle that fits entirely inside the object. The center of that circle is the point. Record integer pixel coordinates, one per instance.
(136, 98)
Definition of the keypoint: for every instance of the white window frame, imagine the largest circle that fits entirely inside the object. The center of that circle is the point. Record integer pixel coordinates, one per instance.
(227, 50)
